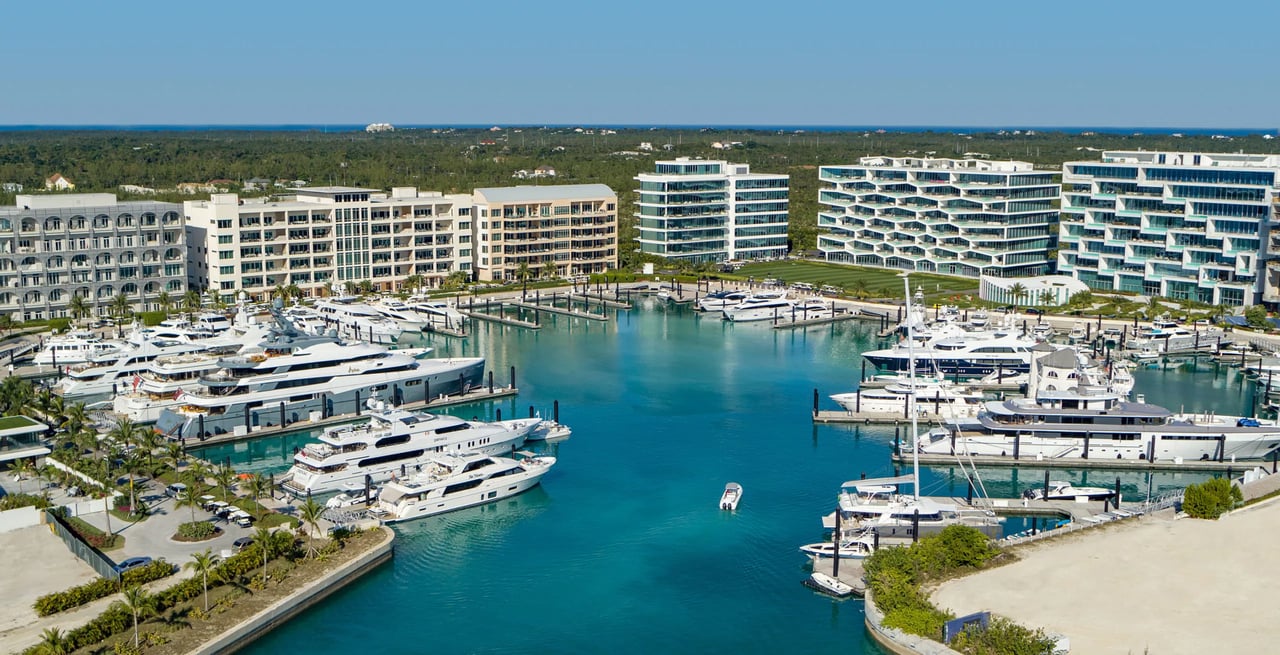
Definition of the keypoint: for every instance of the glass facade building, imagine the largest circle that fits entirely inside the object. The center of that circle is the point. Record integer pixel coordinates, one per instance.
(709, 211)
(1179, 225)
(967, 217)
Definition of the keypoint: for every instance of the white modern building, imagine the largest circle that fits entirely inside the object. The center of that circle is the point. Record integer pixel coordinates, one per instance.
(562, 230)
(1040, 291)
(965, 217)
(59, 246)
(323, 237)
(1173, 224)
(708, 211)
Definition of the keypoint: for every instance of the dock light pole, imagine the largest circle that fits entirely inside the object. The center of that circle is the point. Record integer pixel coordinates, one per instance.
(915, 433)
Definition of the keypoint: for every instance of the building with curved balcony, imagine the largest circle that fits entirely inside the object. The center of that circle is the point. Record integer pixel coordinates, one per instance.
(56, 247)
(968, 217)
(712, 211)
(1182, 225)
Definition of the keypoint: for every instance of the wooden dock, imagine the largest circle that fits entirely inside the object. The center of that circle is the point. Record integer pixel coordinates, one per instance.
(851, 573)
(787, 322)
(474, 396)
(829, 416)
(1199, 466)
(504, 320)
(605, 300)
(570, 311)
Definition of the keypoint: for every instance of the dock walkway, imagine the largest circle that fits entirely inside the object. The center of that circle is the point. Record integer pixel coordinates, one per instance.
(570, 311)
(1202, 466)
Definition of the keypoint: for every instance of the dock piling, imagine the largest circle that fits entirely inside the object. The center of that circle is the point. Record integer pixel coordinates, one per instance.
(531, 411)
(490, 381)
(815, 401)
(1046, 486)
(513, 377)
(555, 411)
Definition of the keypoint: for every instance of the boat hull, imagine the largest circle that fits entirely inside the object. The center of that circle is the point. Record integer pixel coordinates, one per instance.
(491, 491)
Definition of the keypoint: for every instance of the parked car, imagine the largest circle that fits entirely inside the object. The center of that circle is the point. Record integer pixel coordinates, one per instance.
(132, 563)
(175, 489)
(242, 543)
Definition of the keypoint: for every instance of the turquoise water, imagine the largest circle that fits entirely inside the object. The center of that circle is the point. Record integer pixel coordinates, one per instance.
(623, 548)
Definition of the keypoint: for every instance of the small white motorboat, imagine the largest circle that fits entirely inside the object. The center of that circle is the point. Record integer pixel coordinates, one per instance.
(826, 584)
(1147, 354)
(857, 547)
(1067, 491)
(731, 497)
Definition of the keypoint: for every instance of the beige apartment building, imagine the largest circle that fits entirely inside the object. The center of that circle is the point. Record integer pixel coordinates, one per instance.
(558, 231)
(324, 237)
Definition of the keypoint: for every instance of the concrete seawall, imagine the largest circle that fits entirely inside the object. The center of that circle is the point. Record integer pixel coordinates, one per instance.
(313, 592)
(897, 641)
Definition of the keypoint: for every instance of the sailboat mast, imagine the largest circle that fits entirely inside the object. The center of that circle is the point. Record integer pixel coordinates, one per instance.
(911, 397)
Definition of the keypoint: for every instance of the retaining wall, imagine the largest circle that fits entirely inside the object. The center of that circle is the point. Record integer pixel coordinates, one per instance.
(286, 608)
(1258, 483)
(897, 641)
(21, 517)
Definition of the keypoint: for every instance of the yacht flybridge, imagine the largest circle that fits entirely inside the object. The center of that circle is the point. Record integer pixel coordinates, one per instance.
(395, 442)
(296, 376)
(451, 483)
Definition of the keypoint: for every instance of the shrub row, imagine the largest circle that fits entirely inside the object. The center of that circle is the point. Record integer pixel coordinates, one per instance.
(117, 619)
(24, 500)
(91, 535)
(100, 588)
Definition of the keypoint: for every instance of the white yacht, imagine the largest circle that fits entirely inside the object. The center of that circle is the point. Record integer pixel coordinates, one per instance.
(1168, 337)
(812, 308)
(967, 356)
(358, 320)
(74, 348)
(717, 301)
(931, 395)
(857, 546)
(453, 482)
(299, 376)
(761, 306)
(439, 313)
(1078, 333)
(113, 371)
(875, 504)
(395, 441)
(213, 322)
(979, 319)
(1059, 490)
(159, 387)
(409, 319)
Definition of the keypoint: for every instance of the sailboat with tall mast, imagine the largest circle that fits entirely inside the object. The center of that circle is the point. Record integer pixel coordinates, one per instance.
(877, 505)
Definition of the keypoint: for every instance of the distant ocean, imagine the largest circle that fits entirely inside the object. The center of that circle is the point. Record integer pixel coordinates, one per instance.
(339, 128)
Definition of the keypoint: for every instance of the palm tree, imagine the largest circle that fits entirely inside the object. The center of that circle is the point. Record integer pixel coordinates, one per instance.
(1154, 307)
(120, 306)
(53, 642)
(365, 287)
(412, 283)
(280, 293)
(268, 542)
(78, 306)
(310, 512)
(215, 298)
(859, 289)
(191, 302)
(23, 469)
(1017, 291)
(165, 301)
(140, 604)
(259, 486)
(1046, 298)
(522, 272)
(225, 476)
(188, 498)
(202, 564)
(74, 418)
(6, 323)
(293, 291)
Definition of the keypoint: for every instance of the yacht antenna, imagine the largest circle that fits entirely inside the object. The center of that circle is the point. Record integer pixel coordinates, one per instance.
(911, 398)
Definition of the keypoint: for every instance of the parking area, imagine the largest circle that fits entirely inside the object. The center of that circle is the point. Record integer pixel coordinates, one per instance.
(154, 536)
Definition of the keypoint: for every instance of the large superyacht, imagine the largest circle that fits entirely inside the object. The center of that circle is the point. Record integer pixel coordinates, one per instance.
(299, 377)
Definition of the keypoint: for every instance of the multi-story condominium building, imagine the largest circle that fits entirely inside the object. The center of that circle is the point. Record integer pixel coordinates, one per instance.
(965, 217)
(708, 211)
(1179, 225)
(555, 231)
(56, 247)
(326, 237)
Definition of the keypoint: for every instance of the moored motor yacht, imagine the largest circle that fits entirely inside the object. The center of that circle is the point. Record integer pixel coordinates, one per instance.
(930, 394)
(761, 306)
(74, 348)
(453, 482)
(717, 301)
(358, 320)
(1059, 490)
(859, 545)
(395, 441)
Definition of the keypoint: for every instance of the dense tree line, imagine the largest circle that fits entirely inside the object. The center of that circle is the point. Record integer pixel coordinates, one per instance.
(456, 161)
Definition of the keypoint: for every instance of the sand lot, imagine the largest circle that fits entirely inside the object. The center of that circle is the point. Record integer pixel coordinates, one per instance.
(1158, 586)
(36, 562)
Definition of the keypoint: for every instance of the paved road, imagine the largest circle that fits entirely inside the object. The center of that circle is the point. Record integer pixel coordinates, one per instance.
(153, 537)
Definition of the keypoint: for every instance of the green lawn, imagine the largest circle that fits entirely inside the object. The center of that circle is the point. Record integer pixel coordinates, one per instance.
(881, 283)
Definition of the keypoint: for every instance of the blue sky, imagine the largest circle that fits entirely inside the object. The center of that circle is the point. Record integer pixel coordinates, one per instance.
(710, 62)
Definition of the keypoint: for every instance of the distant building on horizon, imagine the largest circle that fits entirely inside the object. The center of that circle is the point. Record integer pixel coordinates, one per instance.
(712, 211)
(967, 217)
(1181, 225)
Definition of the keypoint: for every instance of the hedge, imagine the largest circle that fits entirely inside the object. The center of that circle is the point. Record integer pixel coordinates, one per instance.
(101, 588)
(196, 531)
(14, 501)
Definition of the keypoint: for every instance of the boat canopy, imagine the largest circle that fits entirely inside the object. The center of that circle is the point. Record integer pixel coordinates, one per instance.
(867, 484)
